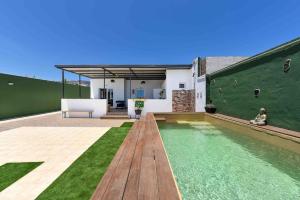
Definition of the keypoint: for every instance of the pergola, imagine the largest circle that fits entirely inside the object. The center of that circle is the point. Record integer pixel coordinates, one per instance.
(128, 72)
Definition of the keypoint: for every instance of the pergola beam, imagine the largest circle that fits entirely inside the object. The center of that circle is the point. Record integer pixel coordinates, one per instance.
(132, 72)
(135, 78)
(169, 66)
(126, 76)
(137, 72)
(146, 79)
(118, 71)
(111, 77)
(104, 69)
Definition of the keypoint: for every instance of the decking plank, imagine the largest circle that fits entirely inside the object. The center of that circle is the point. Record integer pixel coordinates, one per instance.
(166, 182)
(132, 186)
(148, 180)
(140, 169)
(148, 177)
(102, 186)
(116, 187)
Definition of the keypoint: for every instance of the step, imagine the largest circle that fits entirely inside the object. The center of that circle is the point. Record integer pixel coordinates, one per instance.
(115, 117)
(160, 118)
(116, 113)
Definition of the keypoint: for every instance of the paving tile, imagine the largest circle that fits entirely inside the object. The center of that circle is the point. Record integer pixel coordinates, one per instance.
(57, 147)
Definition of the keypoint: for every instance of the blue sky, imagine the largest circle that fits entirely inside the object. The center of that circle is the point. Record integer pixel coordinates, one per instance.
(35, 35)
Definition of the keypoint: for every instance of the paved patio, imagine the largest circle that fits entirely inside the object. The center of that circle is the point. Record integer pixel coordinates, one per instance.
(49, 139)
(55, 120)
(57, 147)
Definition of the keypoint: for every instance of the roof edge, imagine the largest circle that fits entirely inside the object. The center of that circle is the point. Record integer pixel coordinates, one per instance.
(172, 66)
(263, 54)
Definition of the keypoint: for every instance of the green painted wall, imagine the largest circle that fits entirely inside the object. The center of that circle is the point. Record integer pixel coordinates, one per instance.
(31, 96)
(280, 92)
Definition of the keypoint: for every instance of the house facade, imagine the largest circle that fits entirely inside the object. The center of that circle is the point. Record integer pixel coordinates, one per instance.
(164, 88)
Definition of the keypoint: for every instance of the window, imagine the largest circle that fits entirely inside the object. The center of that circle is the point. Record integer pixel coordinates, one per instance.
(181, 85)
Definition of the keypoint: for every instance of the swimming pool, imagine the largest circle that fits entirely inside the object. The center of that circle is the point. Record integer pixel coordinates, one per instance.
(210, 161)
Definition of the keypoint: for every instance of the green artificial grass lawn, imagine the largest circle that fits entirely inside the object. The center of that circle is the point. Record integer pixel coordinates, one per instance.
(11, 172)
(127, 124)
(80, 180)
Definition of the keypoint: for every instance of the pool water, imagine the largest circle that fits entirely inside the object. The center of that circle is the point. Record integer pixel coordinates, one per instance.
(210, 162)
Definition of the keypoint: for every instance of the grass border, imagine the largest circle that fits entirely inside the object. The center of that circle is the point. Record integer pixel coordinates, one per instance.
(11, 172)
(81, 179)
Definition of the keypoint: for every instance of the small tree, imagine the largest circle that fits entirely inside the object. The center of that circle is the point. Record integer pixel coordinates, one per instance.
(139, 104)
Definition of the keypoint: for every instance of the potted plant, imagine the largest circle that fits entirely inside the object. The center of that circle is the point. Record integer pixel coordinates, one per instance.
(161, 94)
(210, 107)
(139, 105)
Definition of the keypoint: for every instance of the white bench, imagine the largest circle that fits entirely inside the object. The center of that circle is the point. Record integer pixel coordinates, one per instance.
(64, 112)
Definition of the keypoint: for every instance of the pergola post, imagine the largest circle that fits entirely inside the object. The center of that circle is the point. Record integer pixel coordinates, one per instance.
(130, 84)
(63, 83)
(104, 79)
(79, 85)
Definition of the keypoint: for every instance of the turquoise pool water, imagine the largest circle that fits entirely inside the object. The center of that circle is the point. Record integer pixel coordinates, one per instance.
(219, 163)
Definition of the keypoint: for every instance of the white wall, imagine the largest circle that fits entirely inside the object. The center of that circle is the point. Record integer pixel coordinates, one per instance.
(150, 105)
(118, 88)
(148, 87)
(98, 106)
(200, 94)
(216, 63)
(122, 92)
(173, 78)
(194, 71)
(176, 76)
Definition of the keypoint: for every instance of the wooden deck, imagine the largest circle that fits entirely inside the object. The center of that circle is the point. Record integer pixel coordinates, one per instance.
(140, 169)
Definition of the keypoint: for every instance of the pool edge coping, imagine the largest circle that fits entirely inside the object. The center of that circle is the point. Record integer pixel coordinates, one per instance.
(170, 166)
(276, 131)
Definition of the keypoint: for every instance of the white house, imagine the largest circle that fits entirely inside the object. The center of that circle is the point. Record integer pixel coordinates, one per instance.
(164, 88)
